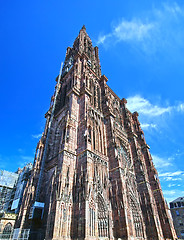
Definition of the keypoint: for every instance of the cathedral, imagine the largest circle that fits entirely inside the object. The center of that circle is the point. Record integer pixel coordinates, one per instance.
(93, 175)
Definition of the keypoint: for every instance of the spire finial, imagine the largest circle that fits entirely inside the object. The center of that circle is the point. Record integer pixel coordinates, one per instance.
(83, 27)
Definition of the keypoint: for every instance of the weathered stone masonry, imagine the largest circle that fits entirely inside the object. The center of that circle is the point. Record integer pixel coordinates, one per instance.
(99, 179)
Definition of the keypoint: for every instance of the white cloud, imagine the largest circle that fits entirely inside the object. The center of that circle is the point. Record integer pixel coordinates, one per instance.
(172, 179)
(160, 162)
(101, 39)
(171, 195)
(134, 30)
(180, 107)
(171, 174)
(145, 107)
(146, 126)
(169, 192)
(142, 105)
(157, 30)
(171, 185)
(37, 135)
(27, 158)
(174, 9)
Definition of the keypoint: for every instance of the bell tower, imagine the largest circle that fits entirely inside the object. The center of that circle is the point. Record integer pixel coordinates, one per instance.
(93, 176)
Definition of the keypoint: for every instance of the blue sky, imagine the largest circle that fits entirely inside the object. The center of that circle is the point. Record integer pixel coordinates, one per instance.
(141, 52)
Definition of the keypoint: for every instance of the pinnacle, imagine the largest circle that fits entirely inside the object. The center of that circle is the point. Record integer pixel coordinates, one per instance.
(83, 27)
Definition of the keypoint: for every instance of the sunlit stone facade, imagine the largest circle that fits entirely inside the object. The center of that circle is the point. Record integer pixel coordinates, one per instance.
(98, 180)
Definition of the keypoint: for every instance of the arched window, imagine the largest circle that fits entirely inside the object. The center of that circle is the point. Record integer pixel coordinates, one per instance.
(89, 134)
(124, 156)
(7, 232)
(97, 138)
(87, 82)
(64, 133)
(136, 218)
(92, 221)
(94, 91)
(85, 44)
(63, 96)
(68, 134)
(94, 143)
(75, 81)
(100, 136)
(90, 84)
(57, 140)
(98, 94)
(123, 153)
(70, 84)
(103, 229)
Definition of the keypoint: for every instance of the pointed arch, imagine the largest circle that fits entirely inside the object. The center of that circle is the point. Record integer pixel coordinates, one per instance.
(137, 220)
(94, 92)
(7, 231)
(59, 137)
(94, 138)
(124, 155)
(103, 221)
(100, 141)
(98, 95)
(89, 133)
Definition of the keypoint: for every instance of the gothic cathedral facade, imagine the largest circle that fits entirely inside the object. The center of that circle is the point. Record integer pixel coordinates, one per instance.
(97, 180)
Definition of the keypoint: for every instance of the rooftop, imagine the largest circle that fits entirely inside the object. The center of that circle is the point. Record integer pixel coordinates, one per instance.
(180, 199)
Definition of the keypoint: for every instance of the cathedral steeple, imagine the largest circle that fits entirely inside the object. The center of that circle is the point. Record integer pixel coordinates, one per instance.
(82, 46)
(98, 180)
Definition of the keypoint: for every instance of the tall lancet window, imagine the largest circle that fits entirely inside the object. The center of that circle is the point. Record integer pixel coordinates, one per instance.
(89, 134)
(94, 139)
(98, 94)
(103, 226)
(94, 90)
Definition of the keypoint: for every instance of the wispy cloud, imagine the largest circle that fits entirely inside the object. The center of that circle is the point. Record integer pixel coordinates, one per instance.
(169, 192)
(144, 106)
(172, 179)
(27, 158)
(173, 185)
(102, 38)
(148, 125)
(134, 30)
(180, 107)
(37, 135)
(161, 162)
(172, 194)
(173, 9)
(171, 174)
(157, 30)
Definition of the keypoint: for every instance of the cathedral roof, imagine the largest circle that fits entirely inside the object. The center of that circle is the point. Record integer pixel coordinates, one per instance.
(180, 199)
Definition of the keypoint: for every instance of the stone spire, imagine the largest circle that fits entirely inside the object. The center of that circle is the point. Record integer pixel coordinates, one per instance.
(83, 27)
(83, 46)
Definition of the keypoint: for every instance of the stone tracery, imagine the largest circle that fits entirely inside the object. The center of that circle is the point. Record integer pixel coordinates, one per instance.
(103, 224)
